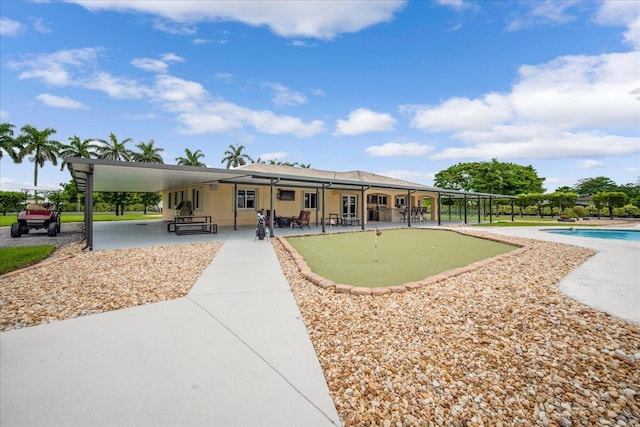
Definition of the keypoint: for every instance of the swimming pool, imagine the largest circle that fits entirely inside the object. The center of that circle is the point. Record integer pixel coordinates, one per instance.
(599, 233)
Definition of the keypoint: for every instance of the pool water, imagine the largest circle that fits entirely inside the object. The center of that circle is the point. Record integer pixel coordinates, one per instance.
(600, 234)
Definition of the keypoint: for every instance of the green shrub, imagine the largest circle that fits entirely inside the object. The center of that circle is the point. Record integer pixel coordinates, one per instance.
(580, 211)
(568, 213)
(626, 211)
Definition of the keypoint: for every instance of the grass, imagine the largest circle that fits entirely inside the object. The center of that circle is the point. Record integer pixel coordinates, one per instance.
(23, 256)
(401, 256)
(7, 220)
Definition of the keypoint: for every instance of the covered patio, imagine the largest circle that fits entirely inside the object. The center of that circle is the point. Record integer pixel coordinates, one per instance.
(99, 175)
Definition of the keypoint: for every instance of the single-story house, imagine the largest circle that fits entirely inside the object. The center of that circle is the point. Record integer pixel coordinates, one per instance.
(231, 197)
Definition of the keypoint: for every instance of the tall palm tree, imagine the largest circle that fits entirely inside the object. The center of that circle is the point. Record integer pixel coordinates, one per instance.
(148, 153)
(36, 144)
(84, 148)
(114, 149)
(191, 158)
(235, 157)
(7, 143)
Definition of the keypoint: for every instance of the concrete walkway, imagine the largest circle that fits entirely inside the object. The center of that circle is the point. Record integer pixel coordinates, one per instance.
(234, 352)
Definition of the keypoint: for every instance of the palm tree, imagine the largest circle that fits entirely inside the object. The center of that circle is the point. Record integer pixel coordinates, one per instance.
(7, 143)
(114, 149)
(191, 158)
(148, 153)
(235, 157)
(36, 143)
(84, 148)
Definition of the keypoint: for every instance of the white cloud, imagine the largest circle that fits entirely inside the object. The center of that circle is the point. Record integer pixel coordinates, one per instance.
(552, 111)
(539, 143)
(199, 113)
(201, 41)
(364, 120)
(4, 115)
(148, 64)
(301, 43)
(461, 113)
(580, 91)
(625, 13)
(156, 65)
(60, 68)
(116, 87)
(60, 102)
(195, 109)
(225, 77)
(393, 149)
(11, 28)
(38, 24)
(321, 20)
(171, 57)
(589, 164)
(174, 28)
(547, 12)
(454, 4)
(286, 97)
(145, 116)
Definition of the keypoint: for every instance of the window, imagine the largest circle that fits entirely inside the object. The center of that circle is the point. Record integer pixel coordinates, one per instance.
(246, 199)
(310, 201)
(170, 200)
(382, 200)
(401, 201)
(286, 195)
(195, 198)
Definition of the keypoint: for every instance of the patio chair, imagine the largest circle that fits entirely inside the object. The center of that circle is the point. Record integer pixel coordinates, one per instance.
(301, 220)
(403, 213)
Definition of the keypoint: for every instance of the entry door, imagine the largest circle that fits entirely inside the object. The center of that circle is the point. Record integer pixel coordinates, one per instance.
(349, 206)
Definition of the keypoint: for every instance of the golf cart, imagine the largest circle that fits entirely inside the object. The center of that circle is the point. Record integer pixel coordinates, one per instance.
(36, 216)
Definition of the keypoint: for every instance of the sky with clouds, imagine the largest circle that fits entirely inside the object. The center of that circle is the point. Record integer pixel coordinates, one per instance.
(404, 89)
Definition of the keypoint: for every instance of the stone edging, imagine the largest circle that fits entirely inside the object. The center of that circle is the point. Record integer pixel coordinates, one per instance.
(325, 283)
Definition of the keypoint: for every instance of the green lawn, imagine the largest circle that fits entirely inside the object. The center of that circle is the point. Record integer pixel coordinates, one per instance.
(7, 220)
(22, 256)
(401, 255)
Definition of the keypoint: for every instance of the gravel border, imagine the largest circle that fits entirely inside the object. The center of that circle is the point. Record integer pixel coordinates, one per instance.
(496, 346)
(74, 283)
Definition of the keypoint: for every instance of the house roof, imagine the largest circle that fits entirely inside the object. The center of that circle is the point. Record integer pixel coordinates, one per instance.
(110, 175)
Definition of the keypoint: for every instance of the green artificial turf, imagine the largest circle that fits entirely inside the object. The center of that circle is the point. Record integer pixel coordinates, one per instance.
(401, 256)
(22, 256)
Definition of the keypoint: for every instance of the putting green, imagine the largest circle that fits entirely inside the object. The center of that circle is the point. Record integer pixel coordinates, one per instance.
(393, 258)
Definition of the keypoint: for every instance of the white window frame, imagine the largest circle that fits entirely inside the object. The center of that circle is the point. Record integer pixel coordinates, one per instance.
(245, 198)
(308, 197)
(400, 201)
(196, 198)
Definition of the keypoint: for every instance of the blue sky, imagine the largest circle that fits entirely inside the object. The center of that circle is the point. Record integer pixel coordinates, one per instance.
(404, 89)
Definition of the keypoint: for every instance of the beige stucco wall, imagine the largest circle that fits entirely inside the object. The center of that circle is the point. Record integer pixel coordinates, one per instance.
(217, 201)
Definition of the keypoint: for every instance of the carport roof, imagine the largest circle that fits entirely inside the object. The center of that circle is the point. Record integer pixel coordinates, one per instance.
(110, 176)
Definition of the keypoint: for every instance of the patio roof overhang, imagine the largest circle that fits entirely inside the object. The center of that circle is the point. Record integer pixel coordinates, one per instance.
(100, 175)
(111, 176)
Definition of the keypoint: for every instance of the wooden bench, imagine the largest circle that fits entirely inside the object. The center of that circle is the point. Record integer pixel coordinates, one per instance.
(192, 219)
(195, 227)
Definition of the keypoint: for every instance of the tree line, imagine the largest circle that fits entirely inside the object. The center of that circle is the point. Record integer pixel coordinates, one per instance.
(40, 147)
(511, 179)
